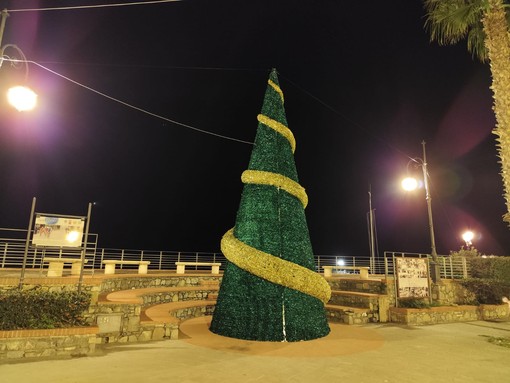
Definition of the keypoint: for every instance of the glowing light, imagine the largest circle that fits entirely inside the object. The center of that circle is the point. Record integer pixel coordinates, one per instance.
(468, 236)
(409, 183)
(22, 98)
(72, 236)
(340, 262)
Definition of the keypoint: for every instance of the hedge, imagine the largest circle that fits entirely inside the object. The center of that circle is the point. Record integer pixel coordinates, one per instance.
(36, 309)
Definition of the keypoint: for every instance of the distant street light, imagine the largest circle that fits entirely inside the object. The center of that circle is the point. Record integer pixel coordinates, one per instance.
(411, 184)
(468, 236)
(21, 97)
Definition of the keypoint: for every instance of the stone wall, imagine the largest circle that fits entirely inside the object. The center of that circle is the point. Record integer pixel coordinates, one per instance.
(48, 343)
(447, 292)
(491, 312)
(450, 292)
(448, 314)
(149, 280)
(374, 286)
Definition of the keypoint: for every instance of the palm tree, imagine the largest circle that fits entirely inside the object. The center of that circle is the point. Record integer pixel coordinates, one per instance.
(484, 24)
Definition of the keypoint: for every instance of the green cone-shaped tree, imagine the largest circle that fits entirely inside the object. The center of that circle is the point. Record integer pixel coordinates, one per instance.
(270, 290)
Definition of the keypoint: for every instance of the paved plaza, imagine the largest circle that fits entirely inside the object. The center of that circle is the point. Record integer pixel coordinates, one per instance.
(383, 353)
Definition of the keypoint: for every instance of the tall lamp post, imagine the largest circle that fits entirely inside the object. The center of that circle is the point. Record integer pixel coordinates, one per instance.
(21, 97)
(410, 184)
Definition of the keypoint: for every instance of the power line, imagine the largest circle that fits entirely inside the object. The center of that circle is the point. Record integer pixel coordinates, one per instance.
(92, 6)
(127, 104)
(323, 103)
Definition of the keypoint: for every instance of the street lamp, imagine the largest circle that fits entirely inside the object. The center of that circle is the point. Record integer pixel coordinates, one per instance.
(468, 236)
(411, 184)
(21, 97)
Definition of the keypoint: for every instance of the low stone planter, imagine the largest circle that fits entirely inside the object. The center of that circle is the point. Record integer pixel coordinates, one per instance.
(60, 342)
(448, 314)
(489, 312)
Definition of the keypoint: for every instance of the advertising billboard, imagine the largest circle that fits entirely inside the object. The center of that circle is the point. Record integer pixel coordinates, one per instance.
(412, 277)
(53, 231)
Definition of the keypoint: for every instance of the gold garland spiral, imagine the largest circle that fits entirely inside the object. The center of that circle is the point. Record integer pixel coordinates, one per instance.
(276, 88)
(277, 180)
(274, 269)
(280, 128)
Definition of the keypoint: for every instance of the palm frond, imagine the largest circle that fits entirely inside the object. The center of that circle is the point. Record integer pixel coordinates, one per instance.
(449, 21)
(476, 44)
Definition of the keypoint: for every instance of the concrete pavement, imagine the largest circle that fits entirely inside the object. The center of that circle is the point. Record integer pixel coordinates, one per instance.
(383, 353)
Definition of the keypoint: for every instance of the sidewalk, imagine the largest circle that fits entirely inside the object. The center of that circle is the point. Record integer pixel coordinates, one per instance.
(384, 353)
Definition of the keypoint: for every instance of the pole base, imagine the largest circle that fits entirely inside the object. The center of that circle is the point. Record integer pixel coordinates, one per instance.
(435, 272)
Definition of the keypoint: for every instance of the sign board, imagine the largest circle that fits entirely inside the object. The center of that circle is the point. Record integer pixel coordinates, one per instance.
(109, 323)
(412, 277)
(55, 231)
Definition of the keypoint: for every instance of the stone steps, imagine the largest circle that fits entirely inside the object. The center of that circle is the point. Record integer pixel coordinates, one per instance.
(176, 312)
(152, 311)
(156, 295)
(350, 307)
(158, 311)
(345, 306)
(347, 315)
(163, 320)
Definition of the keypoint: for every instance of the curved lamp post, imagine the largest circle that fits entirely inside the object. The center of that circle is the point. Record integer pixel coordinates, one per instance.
(411, 184)
(21, 97)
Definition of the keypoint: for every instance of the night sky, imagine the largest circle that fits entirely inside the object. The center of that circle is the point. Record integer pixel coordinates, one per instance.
(363, 87)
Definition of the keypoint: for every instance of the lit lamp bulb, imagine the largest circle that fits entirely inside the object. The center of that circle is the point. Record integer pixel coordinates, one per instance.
(409, 183)
(72, 236)
(22, 98)
(468, 237)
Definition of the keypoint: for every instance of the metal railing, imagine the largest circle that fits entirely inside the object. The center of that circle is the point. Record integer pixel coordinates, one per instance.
(14, 250)
(13, 247)
(159, 260)
(450, 267)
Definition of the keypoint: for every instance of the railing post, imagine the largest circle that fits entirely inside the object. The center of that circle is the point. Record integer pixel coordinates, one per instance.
(102, 259)
(464, 267)
(34, 259)
(6, 245)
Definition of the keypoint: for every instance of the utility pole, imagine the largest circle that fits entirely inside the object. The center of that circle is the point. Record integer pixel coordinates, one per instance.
(434, 265)
(371, 233)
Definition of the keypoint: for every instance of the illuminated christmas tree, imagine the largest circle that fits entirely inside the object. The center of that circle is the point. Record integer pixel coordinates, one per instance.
(270, 290)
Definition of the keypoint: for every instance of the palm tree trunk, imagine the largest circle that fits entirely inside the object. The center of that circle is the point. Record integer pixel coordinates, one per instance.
(498, 45)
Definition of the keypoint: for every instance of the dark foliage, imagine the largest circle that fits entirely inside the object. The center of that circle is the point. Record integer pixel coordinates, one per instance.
(36, 309)
(487, 291)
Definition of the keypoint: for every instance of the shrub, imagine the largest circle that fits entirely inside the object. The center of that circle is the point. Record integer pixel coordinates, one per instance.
(487, 291)
(38, 309)
(414, 303)
(468, 253)
(485, 266)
